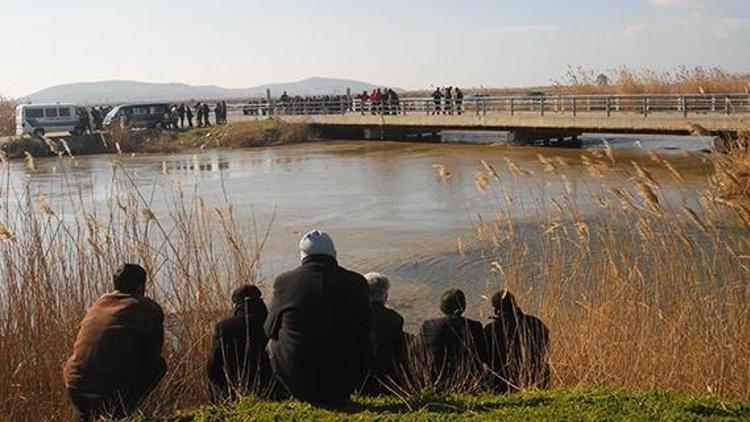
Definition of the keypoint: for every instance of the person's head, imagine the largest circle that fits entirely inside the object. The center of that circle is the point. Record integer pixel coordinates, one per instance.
(244, 294)
(504, 303)
(379, 286)
(130, 279)
(453, 302)
(316, 242)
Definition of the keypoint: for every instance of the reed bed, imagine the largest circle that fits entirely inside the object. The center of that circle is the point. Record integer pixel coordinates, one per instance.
(652, 294)
(625, 80)
(57, 257)
(731, 183)
(578, 80)
(649, 294)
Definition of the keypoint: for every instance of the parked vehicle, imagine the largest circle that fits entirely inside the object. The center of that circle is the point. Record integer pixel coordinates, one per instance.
(41, 119)
(139, 116)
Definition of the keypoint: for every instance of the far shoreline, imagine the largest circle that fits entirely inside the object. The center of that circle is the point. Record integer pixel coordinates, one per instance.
(238, 135)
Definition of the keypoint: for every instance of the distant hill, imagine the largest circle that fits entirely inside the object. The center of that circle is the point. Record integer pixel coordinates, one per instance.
(131, 91)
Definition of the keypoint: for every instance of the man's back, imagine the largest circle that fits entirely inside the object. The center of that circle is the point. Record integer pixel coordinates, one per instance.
(118, 345)
(454, 340)
(388, 327)
(238, 354)
(319, 317)
(518, 352)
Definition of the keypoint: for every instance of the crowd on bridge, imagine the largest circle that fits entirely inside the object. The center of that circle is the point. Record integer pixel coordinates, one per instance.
(327, 334)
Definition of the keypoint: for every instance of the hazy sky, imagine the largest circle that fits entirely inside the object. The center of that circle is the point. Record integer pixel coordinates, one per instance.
(403, 43)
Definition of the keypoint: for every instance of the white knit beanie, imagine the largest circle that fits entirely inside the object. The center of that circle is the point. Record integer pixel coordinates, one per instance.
(316, 243)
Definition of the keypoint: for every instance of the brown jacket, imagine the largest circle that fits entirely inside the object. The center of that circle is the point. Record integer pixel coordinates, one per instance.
(118, 346)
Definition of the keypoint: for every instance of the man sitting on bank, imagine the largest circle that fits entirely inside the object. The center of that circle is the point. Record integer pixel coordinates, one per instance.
(390, 341)
(455, 345)
(116, 359)
(319, 322)
(518, 347)
(239, 363)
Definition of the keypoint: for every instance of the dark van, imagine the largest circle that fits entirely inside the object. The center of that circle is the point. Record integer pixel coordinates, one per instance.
(139, 116)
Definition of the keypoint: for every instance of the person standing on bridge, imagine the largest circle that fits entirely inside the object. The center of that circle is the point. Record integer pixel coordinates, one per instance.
(459, 101)
(217, 113)
(375, 99)
(363, 98)
(189, 115)
(181, 114)
(437, 97)
(199, 114)
(206, 114)
(448, 103)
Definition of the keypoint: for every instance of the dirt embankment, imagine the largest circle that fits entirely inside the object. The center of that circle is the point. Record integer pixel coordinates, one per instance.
(235, 135)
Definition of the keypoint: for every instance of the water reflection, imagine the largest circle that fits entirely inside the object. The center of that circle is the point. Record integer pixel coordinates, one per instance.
(198, 164)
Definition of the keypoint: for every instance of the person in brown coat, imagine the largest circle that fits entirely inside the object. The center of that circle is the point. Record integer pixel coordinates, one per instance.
(116, 359)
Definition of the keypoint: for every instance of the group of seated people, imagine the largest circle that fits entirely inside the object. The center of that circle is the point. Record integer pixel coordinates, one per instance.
(326, 335)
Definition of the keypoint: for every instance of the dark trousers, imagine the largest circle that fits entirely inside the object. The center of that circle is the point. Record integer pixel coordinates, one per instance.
(116, 405)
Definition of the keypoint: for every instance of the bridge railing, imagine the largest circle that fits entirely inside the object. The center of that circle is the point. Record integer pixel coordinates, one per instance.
(569, 106)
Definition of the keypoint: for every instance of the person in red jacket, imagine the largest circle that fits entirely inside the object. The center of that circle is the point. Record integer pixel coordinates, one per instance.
(116, 359)
(375, 98)
(363, 98)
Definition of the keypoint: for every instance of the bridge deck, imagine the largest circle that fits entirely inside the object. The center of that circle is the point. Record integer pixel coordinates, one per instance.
(680, 114)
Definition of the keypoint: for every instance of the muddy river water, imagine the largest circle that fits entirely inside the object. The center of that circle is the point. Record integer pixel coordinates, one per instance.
(383, 202)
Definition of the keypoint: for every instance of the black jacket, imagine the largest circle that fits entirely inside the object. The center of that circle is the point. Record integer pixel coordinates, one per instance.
(453, 341)
(238, 358)
(320, 319)
(388, 327)
(518, 352)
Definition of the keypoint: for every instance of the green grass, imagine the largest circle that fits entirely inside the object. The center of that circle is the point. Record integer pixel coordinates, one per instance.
(572, 405)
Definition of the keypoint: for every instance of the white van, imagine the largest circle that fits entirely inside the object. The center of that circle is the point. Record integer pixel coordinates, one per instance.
(41, 119)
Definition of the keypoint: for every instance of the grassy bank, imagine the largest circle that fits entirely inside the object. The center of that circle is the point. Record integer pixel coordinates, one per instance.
(235, 135)
(593, 405)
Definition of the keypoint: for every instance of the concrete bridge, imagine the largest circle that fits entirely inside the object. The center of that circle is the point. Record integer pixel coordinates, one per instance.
(529, 119)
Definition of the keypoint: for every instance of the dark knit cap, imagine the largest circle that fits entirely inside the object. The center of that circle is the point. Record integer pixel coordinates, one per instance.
(245, 293)
(129, 277)
(453, 302)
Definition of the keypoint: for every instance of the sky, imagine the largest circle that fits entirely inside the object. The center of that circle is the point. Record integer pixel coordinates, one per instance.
(410, 44)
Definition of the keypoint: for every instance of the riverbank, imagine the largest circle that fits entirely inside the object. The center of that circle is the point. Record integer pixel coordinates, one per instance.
(583, 404)
(234, 135)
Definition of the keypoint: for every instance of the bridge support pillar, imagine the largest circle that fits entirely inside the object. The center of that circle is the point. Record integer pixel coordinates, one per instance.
(545, 137)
